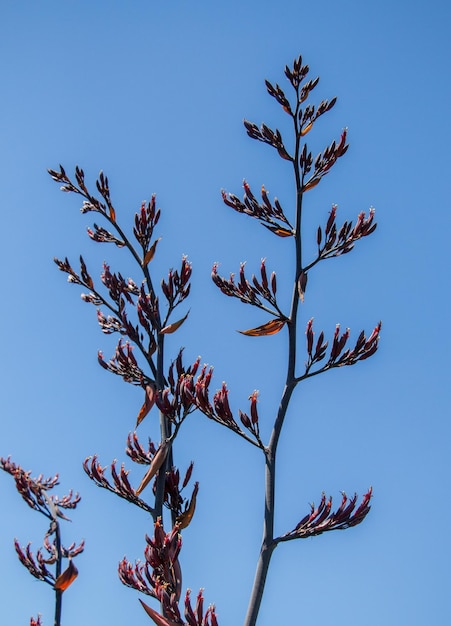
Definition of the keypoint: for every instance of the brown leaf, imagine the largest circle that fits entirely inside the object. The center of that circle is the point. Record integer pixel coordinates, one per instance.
(302, 284)
(150, 252)
(279, 231)
(157, 462)
(112, 214)
(65, 579)
(184, 519)
(305, 130)
(270, 328)
(171, 328)
(157, 618)
(312, 183)
(149, 401)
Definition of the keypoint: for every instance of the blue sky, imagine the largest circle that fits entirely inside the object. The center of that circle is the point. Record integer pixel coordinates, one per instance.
(155, 94)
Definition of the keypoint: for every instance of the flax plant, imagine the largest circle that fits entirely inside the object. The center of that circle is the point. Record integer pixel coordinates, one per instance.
(131, 309)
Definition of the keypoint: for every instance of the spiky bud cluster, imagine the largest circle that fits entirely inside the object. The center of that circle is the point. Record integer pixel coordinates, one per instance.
(363, 349)
(159, 576)
(35, 492)
(268, 214)
(322, 519)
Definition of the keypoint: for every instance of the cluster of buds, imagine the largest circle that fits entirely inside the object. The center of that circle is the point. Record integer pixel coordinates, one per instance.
(268, 136)
(120, 484)
(219, 411)
(73, 277)
(323, 162)
(35, 493)
(137, 453)
(307, 116)
(182, 508)
(90, 203)
(148, 311)
(124, 364)
(118, 287)
(102, 235)
(297, 74)
(173, 499)
(321, 519)
(35, 622)
(310, 114)
(342, 241)
(251, 422)
(177, 288)
(37, 566)
(363, 349)
(177, 400)
(160, 577)
(145, 222)
(270, 215)
(244, 290)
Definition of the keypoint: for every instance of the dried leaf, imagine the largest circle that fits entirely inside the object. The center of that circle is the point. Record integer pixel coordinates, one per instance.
(157, 462)
(305, 130)
(149, 401)
(157, 618)
(65, 579)
(171, 328)
(184, 519)
(312, 183)
(302, 284)
(150, 252)
(112, 214)
(279, 231)
(270, 328)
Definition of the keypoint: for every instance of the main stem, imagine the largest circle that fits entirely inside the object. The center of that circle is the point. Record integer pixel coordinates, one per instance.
(58, 592)
(269, 542)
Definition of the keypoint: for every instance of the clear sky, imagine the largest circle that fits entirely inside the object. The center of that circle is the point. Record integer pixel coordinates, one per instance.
(155, 94)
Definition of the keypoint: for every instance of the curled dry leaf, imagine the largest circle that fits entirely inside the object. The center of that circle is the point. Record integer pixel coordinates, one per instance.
(149, 401)
(279, 231)
(270, 328)
(157, 462)
(150, 252)
(171, 328)
(184, 519)
(312, 183)
(65, 579)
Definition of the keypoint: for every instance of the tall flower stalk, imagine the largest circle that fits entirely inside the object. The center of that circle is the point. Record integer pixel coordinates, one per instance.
(48, 564)
(131, 309)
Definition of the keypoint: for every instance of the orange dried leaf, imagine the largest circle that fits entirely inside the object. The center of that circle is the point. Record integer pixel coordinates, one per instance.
(157, 462)
(270, 328)
(65, 579)
(283, 232)
(157, 618)
(171, 328)
(305, 130)
(184, 519)
(149, 401)
(150, 252)
(279, 231)
(112, 214)
(312, 183)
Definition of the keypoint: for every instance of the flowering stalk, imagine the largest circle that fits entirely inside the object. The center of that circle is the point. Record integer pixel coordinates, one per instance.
(35, 493)
(308, 173)
(134, 313)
